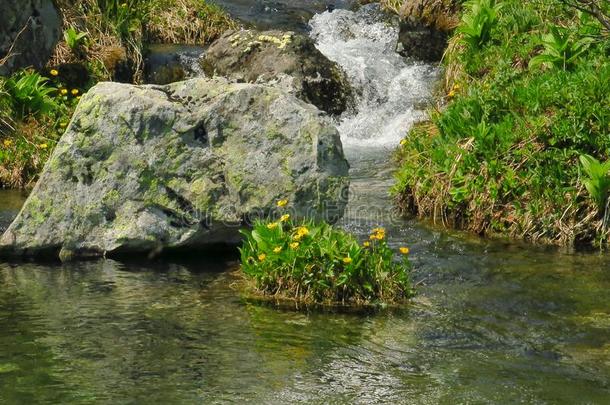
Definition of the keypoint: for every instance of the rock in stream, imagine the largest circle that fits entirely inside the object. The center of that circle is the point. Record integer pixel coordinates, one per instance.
(146, 169)
(288, 59)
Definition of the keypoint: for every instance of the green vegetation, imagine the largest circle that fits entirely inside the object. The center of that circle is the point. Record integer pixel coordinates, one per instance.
(103, 40)
(527, 95)
(314, 262)
(35, 111)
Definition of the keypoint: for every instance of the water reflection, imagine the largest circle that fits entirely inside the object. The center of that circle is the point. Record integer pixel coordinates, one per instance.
(478, 332)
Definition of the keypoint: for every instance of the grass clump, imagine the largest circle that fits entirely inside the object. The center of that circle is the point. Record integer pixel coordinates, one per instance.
(316, 263)
(523, 106)
(110, 36)
(34, 112)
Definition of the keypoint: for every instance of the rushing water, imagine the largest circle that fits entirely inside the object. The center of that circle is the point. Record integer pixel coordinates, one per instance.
(493, 322)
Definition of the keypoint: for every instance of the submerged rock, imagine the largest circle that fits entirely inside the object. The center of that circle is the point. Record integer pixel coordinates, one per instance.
(291, 59)
(152, 168)
(29, 31)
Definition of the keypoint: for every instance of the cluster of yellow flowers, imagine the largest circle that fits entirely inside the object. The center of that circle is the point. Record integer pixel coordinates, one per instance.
(377, 234)
(64, 91)
(7, 143)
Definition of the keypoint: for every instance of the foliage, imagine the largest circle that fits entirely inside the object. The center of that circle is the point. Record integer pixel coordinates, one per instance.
(502, 158)
(315, 262)
(597, 181)
(478, 21)
(560, 50)
(35, 111)
(74, 38)
(29, 93)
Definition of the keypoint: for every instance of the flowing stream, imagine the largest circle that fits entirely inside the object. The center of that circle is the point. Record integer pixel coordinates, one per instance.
(493, 322)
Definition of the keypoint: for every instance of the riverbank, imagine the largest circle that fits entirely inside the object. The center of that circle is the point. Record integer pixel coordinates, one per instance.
(523, 103)
(100, 41)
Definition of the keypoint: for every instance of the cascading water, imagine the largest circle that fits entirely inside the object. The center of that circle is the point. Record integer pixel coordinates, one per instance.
(393, 92)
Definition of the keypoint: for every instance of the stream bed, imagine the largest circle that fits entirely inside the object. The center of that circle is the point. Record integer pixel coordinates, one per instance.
(492, 322)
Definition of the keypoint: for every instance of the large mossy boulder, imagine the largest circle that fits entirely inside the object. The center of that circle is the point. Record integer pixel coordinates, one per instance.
(29, 31)
(145, 169)
(426, 26)
(285, 57)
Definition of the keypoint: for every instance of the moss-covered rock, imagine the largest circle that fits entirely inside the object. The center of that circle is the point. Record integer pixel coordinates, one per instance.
(285, 57)
(149, 168)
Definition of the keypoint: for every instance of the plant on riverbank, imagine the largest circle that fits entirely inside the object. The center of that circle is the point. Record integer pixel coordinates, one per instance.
(103, 40)
(478, 21)
(314, 262)
(35, 112)
(118, 31)
(502, 158)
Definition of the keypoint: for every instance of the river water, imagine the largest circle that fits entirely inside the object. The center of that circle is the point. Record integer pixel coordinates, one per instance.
(493, 322)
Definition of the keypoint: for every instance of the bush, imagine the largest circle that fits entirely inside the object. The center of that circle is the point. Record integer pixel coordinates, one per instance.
(503, 156)
(314, 262)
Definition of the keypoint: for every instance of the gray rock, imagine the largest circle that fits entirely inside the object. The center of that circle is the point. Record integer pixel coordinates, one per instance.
(29, 31)
(154, 168)
(291, 59)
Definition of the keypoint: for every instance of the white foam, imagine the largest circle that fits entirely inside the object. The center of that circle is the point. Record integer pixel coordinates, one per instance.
(393, 92)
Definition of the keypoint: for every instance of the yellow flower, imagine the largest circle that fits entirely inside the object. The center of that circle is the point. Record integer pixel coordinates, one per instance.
(378, 233)
(64, 91)
(43, 146)
(7, 143)
(74, 92)
(262, 257)
(272, 225)
(297, 237)
(404, 250)
(277, 249)
(302, 231)
(285, 217)
(347, 260)
(403, 142)
(366, 244)
(451, 94)
(63, 124)
(282, 203)
(53, 72)
(294, 245)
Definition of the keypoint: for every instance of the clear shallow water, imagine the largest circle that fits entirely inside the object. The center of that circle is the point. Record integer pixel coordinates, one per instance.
(492, 322)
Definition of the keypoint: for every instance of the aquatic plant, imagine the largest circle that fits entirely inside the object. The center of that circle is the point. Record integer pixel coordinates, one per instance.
(315, 262)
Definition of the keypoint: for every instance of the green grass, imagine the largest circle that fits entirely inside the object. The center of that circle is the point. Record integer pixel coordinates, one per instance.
(99, 35)
(316, 263)
(503, 157)
(35, 112)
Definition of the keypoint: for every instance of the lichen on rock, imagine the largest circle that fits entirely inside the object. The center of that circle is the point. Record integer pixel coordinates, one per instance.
(288, 59)
(152, 168)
